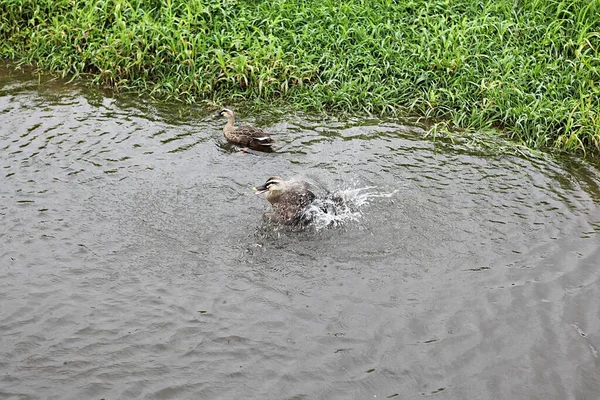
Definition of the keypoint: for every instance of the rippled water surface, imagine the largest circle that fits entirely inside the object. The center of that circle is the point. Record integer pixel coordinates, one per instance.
(135, 262)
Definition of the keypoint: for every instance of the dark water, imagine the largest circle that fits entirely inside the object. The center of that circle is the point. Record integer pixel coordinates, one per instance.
(134, 262)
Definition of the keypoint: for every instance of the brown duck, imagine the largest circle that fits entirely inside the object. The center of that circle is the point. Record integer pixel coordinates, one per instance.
(288, 199)
(246, 135)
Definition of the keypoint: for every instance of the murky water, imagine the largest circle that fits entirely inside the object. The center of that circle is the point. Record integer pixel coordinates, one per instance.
(135, 263)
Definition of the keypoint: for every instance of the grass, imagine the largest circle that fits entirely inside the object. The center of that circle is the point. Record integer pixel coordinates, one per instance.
(529, 68)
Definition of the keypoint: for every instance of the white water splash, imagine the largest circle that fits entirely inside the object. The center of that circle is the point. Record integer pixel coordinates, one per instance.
(339, 208)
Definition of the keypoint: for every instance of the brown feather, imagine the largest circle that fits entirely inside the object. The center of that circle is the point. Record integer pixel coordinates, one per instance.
(246, 135)
(249, 136)
(288, 199)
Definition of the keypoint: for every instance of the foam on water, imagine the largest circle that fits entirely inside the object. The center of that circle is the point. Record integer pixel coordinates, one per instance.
(338, 208)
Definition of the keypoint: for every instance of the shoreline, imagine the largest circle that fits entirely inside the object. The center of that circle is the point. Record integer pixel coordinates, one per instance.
(531, 72)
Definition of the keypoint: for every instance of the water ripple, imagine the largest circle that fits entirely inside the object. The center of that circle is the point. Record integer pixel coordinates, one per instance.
(134, 262)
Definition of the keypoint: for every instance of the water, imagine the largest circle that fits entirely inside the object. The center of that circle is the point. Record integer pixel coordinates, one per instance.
(135, 261)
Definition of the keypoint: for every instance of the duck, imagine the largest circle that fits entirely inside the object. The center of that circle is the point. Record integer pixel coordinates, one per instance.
(288, 199)
(247, 136)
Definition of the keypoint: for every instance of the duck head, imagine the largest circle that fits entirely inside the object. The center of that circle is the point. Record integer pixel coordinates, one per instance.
(224, 112)
(278, 191)
(273, 185)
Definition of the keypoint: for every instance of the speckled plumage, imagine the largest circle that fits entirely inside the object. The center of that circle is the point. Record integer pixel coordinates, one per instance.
(288, 199)
(248, 136)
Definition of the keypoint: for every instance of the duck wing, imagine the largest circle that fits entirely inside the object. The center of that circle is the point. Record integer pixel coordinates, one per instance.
(255, 136)
(297, 199)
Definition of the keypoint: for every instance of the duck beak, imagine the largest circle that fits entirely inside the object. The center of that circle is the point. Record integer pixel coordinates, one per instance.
(218, 113)
(260, 189)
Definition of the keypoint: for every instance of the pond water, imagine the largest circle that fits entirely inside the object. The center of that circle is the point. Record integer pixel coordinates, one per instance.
(135, 261)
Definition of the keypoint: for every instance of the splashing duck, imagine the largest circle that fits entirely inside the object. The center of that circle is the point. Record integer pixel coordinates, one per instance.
(288, 199)
(246, 135)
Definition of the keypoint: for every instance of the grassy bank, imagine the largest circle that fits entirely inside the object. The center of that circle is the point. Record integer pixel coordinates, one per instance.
(531, 68)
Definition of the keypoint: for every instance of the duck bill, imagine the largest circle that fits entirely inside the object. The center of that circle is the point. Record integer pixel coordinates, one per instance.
(260, 189)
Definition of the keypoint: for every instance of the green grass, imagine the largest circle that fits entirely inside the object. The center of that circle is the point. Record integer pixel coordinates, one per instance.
(529, 68)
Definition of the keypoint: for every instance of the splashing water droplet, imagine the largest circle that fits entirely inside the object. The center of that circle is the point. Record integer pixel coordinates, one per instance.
(341, 207)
